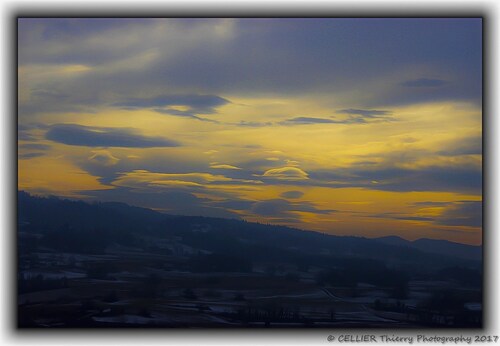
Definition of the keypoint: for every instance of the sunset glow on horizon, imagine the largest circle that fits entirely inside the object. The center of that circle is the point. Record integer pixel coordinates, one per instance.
(364, 127)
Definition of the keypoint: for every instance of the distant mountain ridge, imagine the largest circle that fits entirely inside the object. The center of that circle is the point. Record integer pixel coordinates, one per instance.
(437, 246)
(215, 234)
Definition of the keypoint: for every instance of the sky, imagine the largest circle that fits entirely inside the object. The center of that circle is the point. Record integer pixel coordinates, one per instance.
(349, 126)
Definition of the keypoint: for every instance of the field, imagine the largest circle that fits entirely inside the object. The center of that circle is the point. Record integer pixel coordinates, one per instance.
(133, 288)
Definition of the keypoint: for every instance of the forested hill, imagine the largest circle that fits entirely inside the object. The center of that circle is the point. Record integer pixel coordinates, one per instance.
(107, 223)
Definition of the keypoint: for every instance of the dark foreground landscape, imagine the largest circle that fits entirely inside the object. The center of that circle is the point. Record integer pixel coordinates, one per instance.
(113, 265)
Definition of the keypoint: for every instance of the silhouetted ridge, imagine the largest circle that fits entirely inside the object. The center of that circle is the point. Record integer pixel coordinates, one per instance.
(436, 246)
(120, 223)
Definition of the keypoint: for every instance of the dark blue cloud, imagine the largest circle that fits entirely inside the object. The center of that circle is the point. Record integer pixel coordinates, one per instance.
(252, 124)
(52, 94)
(24, 132)
(464, 179)
(273, 208)
(25, 136)
(463, 213)
(170, 163)
(457, 179)
(72, 134)
(258, 165)
(34, 146)
(457, 213)
(424, 83)
(292, 194)
(195, 104)
(354, 116)
(258, 56)
(235, 204)
(398, 216)
(30, 155)
(309, 207)
(32, 150)
(204, 103)
(55, 28)
(368, 113)
(174, 202)
(309, 120)
(78, 34)
(281, 208)
(413, 218)
(332, 55)
(183, 114)
(465, 146)
(431, 204)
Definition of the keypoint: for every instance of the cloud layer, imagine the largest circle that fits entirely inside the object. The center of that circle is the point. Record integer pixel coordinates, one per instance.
(73, 134)
(341, 125)
(180, 105)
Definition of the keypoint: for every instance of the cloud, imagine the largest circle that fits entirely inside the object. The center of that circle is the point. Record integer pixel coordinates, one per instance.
(368, 113)
(464, 146)
(462, 213)
(286, 173)
(187, 114)
(25, 136)
(292, 194)
(309, 120)
(432, 178)
(103, 157)
(98, 41)
(129, 161)
(181, 105)
(354, 116)
(362, 116)
(256, 166)
(279, 210)
(292, 163)
(143, 182)
(431, 204)
(34, 146)
(424, 83)
(235, 204)
(414, 218)
(400, 216)
(30, 155)
(456, 213)
(451, 178)
(27, 132)
(143, 179)
(305, 206)
(283, 209)
(273, 208)
(171, 201)
(252, 124)
(222, 166)
(240, 57)
(73, 134)
(32, 150)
